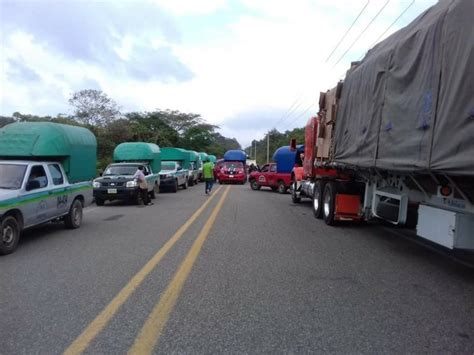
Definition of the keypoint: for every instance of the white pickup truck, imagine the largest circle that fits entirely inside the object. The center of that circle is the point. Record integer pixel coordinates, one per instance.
(51, 182)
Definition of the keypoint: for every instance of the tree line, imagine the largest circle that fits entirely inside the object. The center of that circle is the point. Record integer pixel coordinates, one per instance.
(94, 110)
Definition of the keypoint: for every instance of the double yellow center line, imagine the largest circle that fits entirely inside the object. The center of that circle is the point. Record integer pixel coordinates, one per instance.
(149, 335)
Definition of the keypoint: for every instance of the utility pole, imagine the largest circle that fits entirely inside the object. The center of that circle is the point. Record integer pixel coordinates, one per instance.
(268, 147)
(250, 150)
(255, 151)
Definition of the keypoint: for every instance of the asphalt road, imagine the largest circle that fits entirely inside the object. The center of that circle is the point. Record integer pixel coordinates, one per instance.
(249, 273)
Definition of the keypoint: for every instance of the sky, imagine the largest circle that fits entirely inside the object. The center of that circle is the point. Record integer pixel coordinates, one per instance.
(248, 66)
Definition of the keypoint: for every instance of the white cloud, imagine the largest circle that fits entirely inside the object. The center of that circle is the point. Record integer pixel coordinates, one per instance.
(259, 62)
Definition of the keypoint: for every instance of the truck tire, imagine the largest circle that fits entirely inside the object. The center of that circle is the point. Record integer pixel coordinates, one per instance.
(318, 199)
(281, 187)
(152, 193)
(73, 219)
(185, 185)
(99, 202)
(294, 197)
(191, 182)
(329, 203)
(254, 185)
(174, 188)
(10, 235)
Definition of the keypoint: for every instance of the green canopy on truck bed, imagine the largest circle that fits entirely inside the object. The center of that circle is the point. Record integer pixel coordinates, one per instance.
(212, 158)
(176, 154)
(75, 147)
(195, 158)
(139, 151)
(203, 156)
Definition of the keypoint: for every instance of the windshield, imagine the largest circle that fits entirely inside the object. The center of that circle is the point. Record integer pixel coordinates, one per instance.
(120, 170)
(168, 165)
(233, 165)
(11, 176)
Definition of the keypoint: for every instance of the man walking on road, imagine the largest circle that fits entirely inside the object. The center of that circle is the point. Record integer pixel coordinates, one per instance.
(208, 173)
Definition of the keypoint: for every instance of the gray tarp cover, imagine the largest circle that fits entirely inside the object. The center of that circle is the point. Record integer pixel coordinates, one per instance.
(409, 105)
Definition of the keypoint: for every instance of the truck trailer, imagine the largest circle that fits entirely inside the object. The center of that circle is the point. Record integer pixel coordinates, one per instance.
(395, 140)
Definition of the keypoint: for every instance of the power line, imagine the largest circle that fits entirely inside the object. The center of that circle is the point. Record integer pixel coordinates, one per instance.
(300, 115)
(345, 34)
(290, 109)
(360, 35)
(393, 23)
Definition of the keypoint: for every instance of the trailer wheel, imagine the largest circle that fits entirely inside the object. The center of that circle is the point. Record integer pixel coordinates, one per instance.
(73, 219)
(329, 203)
(318, 199)
(9, 234)
(281, 187)
(294, 197)
(254, 185)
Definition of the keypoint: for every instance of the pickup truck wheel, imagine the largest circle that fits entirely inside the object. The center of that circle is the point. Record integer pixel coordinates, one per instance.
(10, 235)
(318, 199)
(174, 188)
(281, 187)
(73, 219)
(254, 185)
(185, 185)
(191, 182)
(99, 202)
(329, 203)
(152, 193)
(294, 197)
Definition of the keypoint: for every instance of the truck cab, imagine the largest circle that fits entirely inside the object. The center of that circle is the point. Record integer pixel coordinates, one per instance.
(118, 183)
(172, 175)
(50, 183)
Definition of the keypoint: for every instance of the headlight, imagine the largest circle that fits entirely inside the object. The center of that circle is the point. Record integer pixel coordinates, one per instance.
(132, 183)
(96, 184)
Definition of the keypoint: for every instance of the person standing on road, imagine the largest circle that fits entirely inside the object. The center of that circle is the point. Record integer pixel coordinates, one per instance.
(143, 186)
(208, 174)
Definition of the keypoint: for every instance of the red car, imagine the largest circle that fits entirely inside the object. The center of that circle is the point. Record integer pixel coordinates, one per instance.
(232, 172)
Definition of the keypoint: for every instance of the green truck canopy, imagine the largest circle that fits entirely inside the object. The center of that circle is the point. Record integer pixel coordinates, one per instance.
(139, 152)
(176, 154)
(203, 156)
(195, 158)
(74, 147)
(212, 158)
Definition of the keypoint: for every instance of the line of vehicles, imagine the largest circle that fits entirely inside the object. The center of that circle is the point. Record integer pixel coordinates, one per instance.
(395, 140)
(48, 173)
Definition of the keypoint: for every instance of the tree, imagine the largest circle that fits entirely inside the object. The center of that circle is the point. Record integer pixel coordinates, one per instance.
(93, 107)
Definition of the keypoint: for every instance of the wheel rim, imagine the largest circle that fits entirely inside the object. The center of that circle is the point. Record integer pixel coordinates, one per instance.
(316, 200)
(327, 203)
(293, 189)
(8, 235)
(281, 188)
(77, 215)
(254, 184)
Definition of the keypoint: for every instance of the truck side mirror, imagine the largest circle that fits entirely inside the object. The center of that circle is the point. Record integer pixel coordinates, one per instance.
(32, 185)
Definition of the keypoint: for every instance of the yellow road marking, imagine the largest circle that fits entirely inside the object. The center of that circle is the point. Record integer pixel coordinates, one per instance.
(151, 331)
(94, 328)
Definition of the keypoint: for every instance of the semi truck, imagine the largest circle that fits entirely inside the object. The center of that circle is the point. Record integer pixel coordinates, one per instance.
(117, 181)
(46, 172)
(395, 140)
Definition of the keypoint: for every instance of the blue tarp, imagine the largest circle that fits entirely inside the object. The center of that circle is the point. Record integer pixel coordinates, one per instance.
(235, 155)
(285, 158)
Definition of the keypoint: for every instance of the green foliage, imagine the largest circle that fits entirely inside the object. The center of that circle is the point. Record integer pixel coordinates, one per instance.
(93, 107)
(276, 140)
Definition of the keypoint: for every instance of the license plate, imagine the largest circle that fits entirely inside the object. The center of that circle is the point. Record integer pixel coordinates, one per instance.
(231, 176)
(111, 191)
